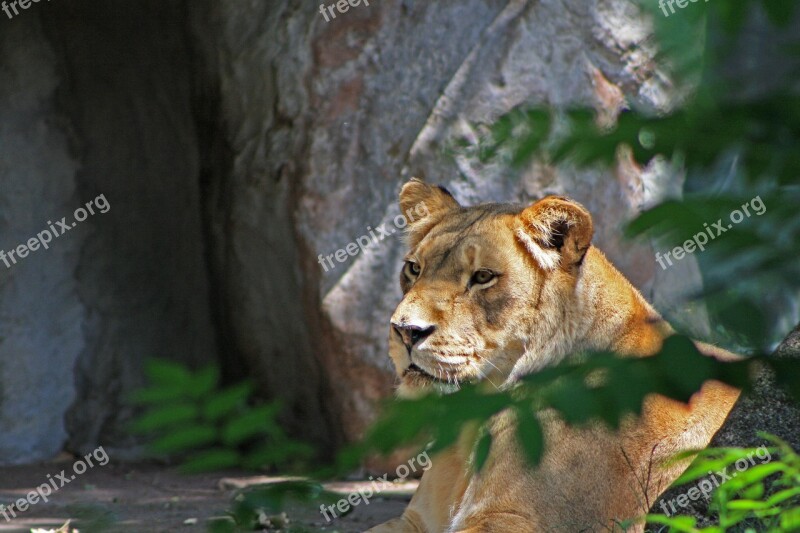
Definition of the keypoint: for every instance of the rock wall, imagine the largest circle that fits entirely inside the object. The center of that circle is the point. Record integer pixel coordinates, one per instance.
(765, 409)
(239, 141)
(41, 314)
(142, 272)
(96, 100)
(322, 122)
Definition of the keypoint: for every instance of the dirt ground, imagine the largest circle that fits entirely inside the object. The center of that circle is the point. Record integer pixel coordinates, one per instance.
(151, 498)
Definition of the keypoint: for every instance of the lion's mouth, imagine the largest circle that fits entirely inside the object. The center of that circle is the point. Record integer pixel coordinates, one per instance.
(416, 372)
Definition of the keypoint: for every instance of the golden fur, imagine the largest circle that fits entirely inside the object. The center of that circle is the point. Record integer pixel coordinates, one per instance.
(495, 292)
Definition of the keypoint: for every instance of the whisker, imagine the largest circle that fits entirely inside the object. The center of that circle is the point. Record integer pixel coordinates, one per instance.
(476, 354)
(484, 376)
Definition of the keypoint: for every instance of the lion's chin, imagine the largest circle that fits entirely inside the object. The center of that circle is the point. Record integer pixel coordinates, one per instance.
(415, 382)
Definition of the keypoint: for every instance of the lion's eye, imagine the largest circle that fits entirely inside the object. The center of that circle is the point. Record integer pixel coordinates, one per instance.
(412, 269)
(482, 277)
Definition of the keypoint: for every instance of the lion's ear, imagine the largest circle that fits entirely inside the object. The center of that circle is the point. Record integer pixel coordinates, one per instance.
(424, 206)
(557, 231)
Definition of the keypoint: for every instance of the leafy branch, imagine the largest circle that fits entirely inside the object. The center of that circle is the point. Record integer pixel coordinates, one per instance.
(187, 414)
(602, 386)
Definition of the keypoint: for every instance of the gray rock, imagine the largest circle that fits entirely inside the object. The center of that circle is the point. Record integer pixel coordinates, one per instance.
(236, 143)
(96, 100)
(41, 314)
(765, 409)
(355, 106)
(347, 110)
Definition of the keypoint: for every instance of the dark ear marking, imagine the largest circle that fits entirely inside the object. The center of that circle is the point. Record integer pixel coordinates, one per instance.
(556, 231)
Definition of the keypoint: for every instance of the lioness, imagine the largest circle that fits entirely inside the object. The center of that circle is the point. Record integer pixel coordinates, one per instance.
(495, 292)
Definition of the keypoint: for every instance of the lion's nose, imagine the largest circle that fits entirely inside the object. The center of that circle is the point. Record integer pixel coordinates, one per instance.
(411, 335)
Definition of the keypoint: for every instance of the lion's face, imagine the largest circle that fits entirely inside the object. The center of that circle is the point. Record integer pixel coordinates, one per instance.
(476, 284)
(467, 286)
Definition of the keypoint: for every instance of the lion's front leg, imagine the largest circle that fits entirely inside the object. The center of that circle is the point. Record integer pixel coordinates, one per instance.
(505, 522)
(403, 524)
(499, 523)
(440, 490)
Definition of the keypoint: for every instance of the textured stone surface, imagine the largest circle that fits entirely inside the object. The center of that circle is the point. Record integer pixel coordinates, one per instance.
(371, 103)
(766, 409)
(96, 99)
(41, 314)
(306, 129)
(142, 272)
(236, 142)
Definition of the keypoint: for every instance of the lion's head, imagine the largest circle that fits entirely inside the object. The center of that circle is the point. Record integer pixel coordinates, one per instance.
(488, 290)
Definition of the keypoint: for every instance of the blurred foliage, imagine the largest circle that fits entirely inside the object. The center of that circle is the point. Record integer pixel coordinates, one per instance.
(601, 386)
(747, 501)
(759, 250)
(187, 414)
(763, 133)
(750, 136)
(264, 507)
(89, 519)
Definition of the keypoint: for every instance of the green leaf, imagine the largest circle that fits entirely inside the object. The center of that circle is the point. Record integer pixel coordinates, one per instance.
(271, 498)
(204, 381)
(157, 395)
(166, 372)
(254, 422)
(530, 435)
(185, 439)
(222, 524)
(712, 460)
(682, 368)
(482, 449)
(225, 402)
(164, 417)
(755, 474)
(572, 400)
(753, 492)
(746, 505)
(779, 11)
(782, 496)
(539, 122)
(401, 422)
(628, 384)
(684, 524)
(733, 14)
(445, 435)
(790, 520)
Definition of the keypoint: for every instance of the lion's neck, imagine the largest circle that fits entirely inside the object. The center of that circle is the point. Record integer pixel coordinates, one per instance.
(618, 317)
(603, 311)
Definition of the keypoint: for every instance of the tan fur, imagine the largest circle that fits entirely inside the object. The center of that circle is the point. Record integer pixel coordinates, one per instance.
(554, 295)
